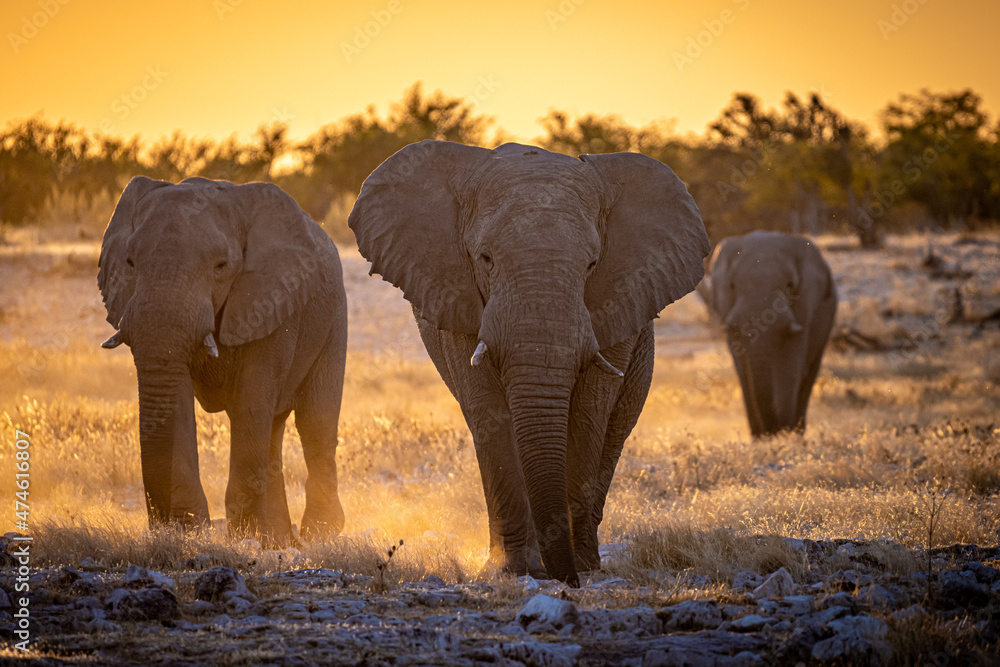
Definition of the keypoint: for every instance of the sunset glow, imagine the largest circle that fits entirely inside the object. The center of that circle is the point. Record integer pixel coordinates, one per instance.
(214, 67)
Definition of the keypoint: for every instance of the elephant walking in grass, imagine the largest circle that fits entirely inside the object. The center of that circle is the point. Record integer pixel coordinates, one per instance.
(776, 298)
(534, 278)
(232, 295)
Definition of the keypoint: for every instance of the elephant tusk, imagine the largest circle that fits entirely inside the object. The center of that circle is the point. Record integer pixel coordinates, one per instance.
(113, 342)
(794, 327)
(606, 366)
(210, 344)
(478, 355)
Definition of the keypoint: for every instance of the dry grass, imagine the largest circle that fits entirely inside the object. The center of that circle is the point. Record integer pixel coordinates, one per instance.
(692, 491)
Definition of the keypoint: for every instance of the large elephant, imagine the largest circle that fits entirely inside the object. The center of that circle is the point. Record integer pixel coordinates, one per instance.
(231, 294)
(534, 278)
(776, 298)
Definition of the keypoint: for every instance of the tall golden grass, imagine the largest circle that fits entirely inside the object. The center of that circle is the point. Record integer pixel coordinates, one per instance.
(885, 431)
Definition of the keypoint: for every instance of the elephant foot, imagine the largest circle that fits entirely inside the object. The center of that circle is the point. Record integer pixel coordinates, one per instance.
(515, 562)
(270, 537)
(322, 525)
(586, 554)
(190, 521)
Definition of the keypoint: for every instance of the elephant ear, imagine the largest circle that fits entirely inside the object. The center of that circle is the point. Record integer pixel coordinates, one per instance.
(408, 223)
(286, 256)
(114, 277)
(722, 300)
(653, 245)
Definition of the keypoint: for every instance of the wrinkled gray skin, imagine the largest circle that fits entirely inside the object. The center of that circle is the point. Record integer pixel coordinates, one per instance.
(207, 264)
(538, 261)
(776, 298)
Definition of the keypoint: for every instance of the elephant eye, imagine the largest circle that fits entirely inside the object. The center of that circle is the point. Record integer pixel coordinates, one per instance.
(487, 258)
(593, 263)
(128, 260)
(221, 265)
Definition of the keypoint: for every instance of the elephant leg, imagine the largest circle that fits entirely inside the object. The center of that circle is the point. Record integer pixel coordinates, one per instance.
(249, 459)
(624, 416)
(513, 541)
(324, 515)
(276, 518)
(590, 411)
(743, 371)
(188, 505)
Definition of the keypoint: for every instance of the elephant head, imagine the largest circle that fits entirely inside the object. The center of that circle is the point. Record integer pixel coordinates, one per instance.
(185, 269)
(547, 260)
(776, 299)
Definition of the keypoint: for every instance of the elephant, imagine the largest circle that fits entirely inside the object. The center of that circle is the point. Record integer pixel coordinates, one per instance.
(534, 278)
(230, 294)
(776, 298)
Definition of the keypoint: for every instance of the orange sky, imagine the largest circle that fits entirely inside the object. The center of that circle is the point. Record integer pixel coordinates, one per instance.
(214, 67)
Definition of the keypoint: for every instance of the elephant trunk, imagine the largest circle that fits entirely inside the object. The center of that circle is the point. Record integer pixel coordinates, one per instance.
(162, 348)
(539, 399)
(158, 398)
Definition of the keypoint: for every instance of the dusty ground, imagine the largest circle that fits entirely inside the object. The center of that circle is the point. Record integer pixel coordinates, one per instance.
(902, 453)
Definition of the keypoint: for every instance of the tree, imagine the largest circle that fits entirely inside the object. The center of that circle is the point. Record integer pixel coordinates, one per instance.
(939, 153)
(586, 134)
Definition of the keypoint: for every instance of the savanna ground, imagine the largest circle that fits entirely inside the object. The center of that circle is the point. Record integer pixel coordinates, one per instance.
(902, 453)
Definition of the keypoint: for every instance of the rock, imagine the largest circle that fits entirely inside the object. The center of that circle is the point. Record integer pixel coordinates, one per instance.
(237, 604)
(88, 564)
(731, 611)
(819, 620)
(115, 598)
(847, 550)
(963, 589)
(88, 602)
(201, 608)
(147, 604)
(747, 579)
(874, 596)
(212, 584)
(138, 577)
(985, 574)
(440, 598)
(542, 610)
(692, 579)
(750, 623)
(708, 648)
(610, 551)
(530, 583)
(692, 615)
(769, 607)
(609, 583)
(434, 580)
(911, 612)
(779, 584)
(841, 599)
(639, 621)
(797, 605)
(542, 655)
(855, 639)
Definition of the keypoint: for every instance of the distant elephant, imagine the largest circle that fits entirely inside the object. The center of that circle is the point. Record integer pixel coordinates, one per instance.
(534, 278)
(776, 298)
(231, 294)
